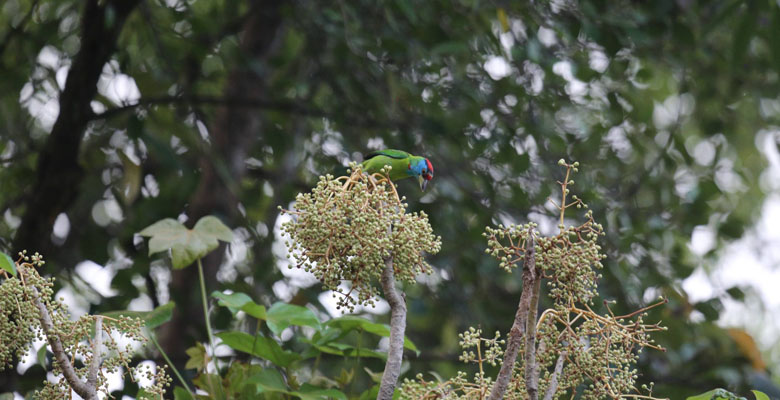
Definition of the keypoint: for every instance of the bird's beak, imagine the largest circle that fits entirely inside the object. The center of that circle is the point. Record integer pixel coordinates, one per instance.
(423, 182)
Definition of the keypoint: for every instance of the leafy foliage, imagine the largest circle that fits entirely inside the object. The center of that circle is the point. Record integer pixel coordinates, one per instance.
(672, 103)
(722, 394)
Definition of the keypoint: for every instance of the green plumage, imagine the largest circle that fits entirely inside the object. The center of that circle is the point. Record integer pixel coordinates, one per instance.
(397, 159)
(403, 165)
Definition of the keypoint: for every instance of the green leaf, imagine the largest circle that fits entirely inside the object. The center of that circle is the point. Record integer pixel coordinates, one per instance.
(42, 356)
(180, 393)
(7, 396)
(736, 293)
(760, 395)
(309, 392)
(715, 394)
(346, 350)
(259, 346)
(199, 358)
(130, 185)
(144, 395)
(370, 394)
(501, 15)
(211, 225)
(703, 396)
(152, 319)
(164, 235)
(7, 264)
(375, 376)
(282, 315)
(347, 323)
(238, 301)
(186, 245)
(212, 384)
(269, 380)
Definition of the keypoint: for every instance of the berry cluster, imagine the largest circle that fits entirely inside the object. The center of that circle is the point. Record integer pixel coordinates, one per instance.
(346, 230)
(575, 347)
(28, 311)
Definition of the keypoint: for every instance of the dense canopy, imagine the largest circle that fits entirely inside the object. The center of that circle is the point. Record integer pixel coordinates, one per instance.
(115, 114)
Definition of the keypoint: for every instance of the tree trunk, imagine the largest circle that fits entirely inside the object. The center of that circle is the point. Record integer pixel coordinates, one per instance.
(59, 174)
(222, 168)
(395, 351)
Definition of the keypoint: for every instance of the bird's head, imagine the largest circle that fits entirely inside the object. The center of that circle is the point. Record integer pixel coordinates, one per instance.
(422, 169)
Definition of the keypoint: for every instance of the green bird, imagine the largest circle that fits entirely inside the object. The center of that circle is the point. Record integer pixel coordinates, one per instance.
(404, 165)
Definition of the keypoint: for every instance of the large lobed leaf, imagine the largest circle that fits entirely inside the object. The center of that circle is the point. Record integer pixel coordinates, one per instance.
(186, 245)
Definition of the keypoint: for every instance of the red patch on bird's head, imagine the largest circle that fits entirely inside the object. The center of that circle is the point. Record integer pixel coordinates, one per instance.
(429, 175)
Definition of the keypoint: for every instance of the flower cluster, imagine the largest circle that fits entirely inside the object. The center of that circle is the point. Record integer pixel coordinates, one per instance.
(472, 339)
(18, 318)
(569, 260)
(600, 350)
(575, 347)
(346, 230)
(28, 311)
(477, 350)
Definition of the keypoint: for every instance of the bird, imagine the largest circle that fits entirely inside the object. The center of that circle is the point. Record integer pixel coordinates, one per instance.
(404, 165)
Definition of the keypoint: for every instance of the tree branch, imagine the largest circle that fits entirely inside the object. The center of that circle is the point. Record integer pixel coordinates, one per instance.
(281, 106)
(58, 173)
(532, 279)
(84, 389)
(397, 329)
(97, 343)
(548, 395)
(515, 337)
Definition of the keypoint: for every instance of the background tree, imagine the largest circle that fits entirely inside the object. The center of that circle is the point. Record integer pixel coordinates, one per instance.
(116, 114)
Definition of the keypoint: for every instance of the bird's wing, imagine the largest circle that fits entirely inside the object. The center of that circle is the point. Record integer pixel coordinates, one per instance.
(397, 154)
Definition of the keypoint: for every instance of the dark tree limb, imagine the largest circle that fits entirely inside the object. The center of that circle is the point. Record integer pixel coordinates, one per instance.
(397, 329)
(238, 101)
(234, 130)
(59, 174)
(530, 296)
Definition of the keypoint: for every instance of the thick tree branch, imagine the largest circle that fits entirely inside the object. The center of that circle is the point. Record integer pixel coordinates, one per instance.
(59, 173)
(397, 329)
(238, 102)
(516, 334)
(236, 128)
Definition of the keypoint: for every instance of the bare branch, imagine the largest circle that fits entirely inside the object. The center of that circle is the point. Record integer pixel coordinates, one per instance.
(531, 286)
(84, 389)
(97, 343)
(548, 395)
(397, 329)
(532, 281)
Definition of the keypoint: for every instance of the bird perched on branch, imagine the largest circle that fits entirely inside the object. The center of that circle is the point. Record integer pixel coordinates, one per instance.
(404, 165)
